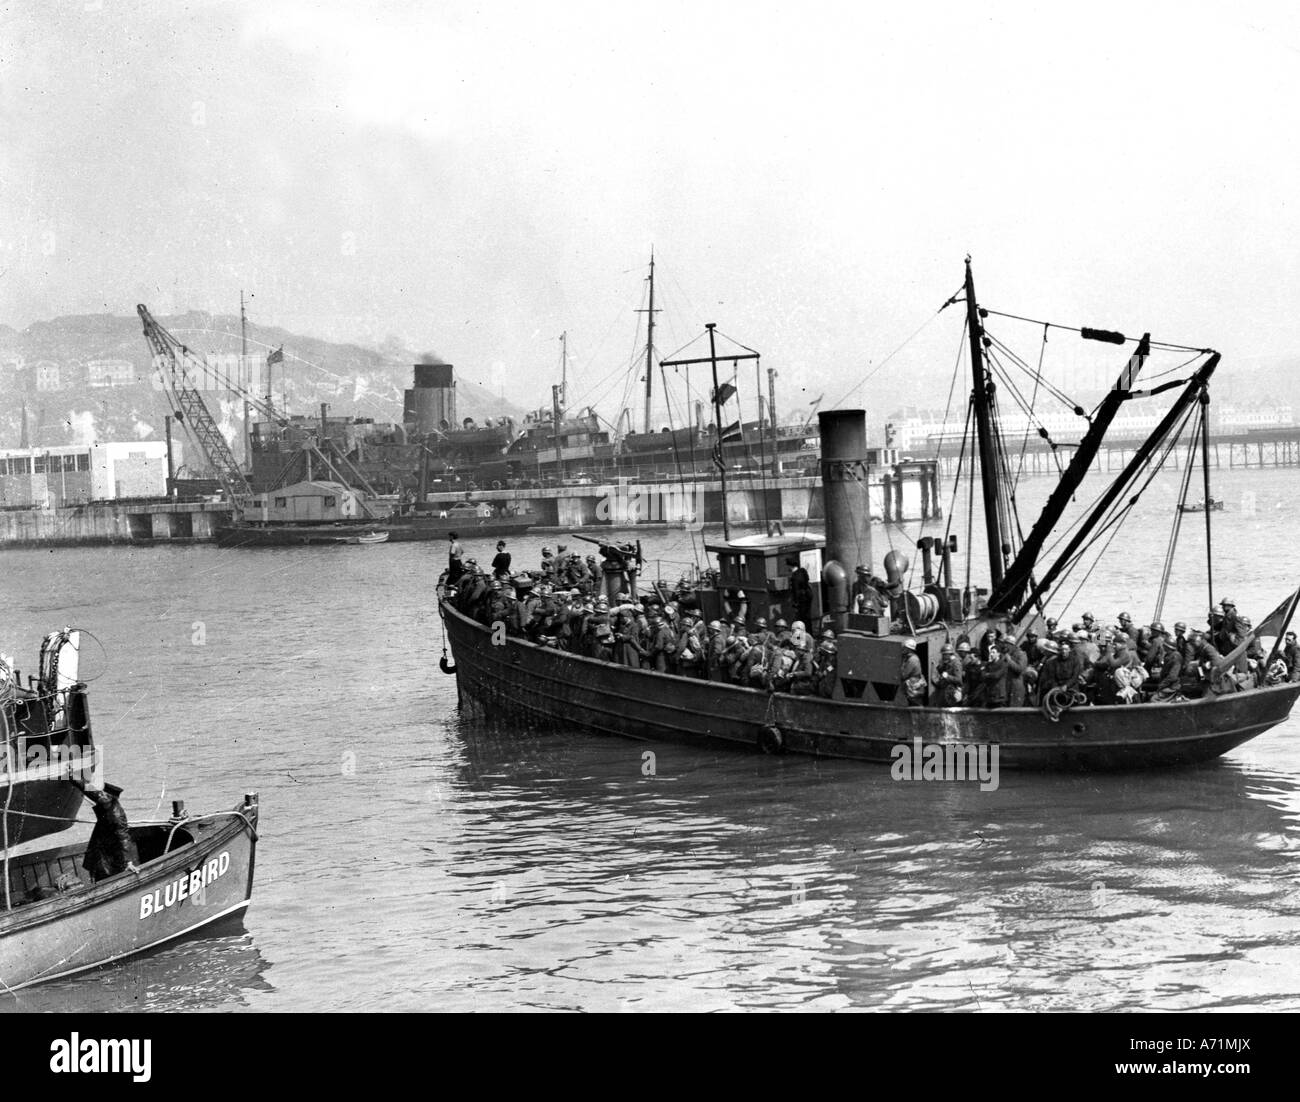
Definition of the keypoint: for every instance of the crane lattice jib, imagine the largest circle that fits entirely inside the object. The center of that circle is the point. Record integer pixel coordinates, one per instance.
(169, 358)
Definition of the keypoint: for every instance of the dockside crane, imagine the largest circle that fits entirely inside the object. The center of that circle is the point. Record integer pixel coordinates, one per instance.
(176, 366)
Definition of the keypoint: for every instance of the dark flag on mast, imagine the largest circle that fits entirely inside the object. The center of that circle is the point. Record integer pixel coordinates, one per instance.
(276, 357)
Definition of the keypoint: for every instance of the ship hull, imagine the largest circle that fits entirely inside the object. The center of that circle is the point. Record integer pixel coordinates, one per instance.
(547, 688)
(406, 529)
(295, 535)
(40, 807)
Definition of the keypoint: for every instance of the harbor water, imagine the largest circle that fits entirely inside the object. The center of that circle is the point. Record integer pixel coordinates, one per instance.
(416, 857)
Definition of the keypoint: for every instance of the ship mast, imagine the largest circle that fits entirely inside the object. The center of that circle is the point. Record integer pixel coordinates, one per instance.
(717, 420)
(564, 369)
(718, 460)
(243, 358)
(984, 430)
(650, 340)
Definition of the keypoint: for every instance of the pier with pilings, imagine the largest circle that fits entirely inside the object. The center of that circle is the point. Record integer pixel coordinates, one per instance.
(906, 491)
(111, 522)
(1250, 451)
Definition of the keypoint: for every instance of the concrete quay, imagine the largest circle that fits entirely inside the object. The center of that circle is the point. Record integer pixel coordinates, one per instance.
(112, 523)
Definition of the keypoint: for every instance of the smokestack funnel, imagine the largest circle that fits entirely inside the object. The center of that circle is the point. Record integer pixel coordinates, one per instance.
(432, 400)
(844, 487)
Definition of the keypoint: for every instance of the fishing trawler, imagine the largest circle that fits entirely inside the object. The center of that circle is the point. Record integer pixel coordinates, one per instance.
(66, 908)
(867, 715)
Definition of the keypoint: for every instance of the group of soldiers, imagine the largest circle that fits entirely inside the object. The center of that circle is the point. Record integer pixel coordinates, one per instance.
(1104, 664)
(560, 607)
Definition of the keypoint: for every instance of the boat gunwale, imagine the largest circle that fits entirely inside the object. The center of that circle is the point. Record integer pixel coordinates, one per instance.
(41, 911)
(928, 709)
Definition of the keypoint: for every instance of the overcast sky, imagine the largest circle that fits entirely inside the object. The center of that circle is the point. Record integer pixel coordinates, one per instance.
(477, 178)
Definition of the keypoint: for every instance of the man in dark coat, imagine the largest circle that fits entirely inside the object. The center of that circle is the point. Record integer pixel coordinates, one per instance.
(1291, 655)
(800, 590)
(995, 679)
(110, 849)
(501, 561)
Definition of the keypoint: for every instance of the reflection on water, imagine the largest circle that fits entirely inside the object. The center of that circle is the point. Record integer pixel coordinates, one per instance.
(416, 857)
(216, 970)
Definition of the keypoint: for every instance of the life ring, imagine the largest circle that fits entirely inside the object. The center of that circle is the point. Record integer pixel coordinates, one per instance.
(770, 740)
(496, 484)
(446, 665)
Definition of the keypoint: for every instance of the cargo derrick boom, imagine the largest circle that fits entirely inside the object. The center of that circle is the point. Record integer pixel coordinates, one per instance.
(169, 356)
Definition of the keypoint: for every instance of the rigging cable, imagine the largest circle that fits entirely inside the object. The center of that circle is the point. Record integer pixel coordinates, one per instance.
(952, 388)
(762, 442)
(1051, 387)
(924, 325)
(1038, 376)
(1118, 512)
(1076, 329)
(1176, 527)
(956, 482)
(970, 515)
(1000, 372)
(681, 475)
(1175, 430)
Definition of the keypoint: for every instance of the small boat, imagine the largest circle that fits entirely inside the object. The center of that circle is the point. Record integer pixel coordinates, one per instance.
(195, 872)
(299, 535)
(47, 731)
(421, 522)
(68, 907)
(1216, 506)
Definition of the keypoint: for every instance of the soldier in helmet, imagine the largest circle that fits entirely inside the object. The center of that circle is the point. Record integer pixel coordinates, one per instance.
(663, 644)
(824, 665)
(1165, 665)
(803, 678)
(911, 677)
(1225, 626)
(548, 564)
(499, 608)
(949, 681)
(970, 669)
